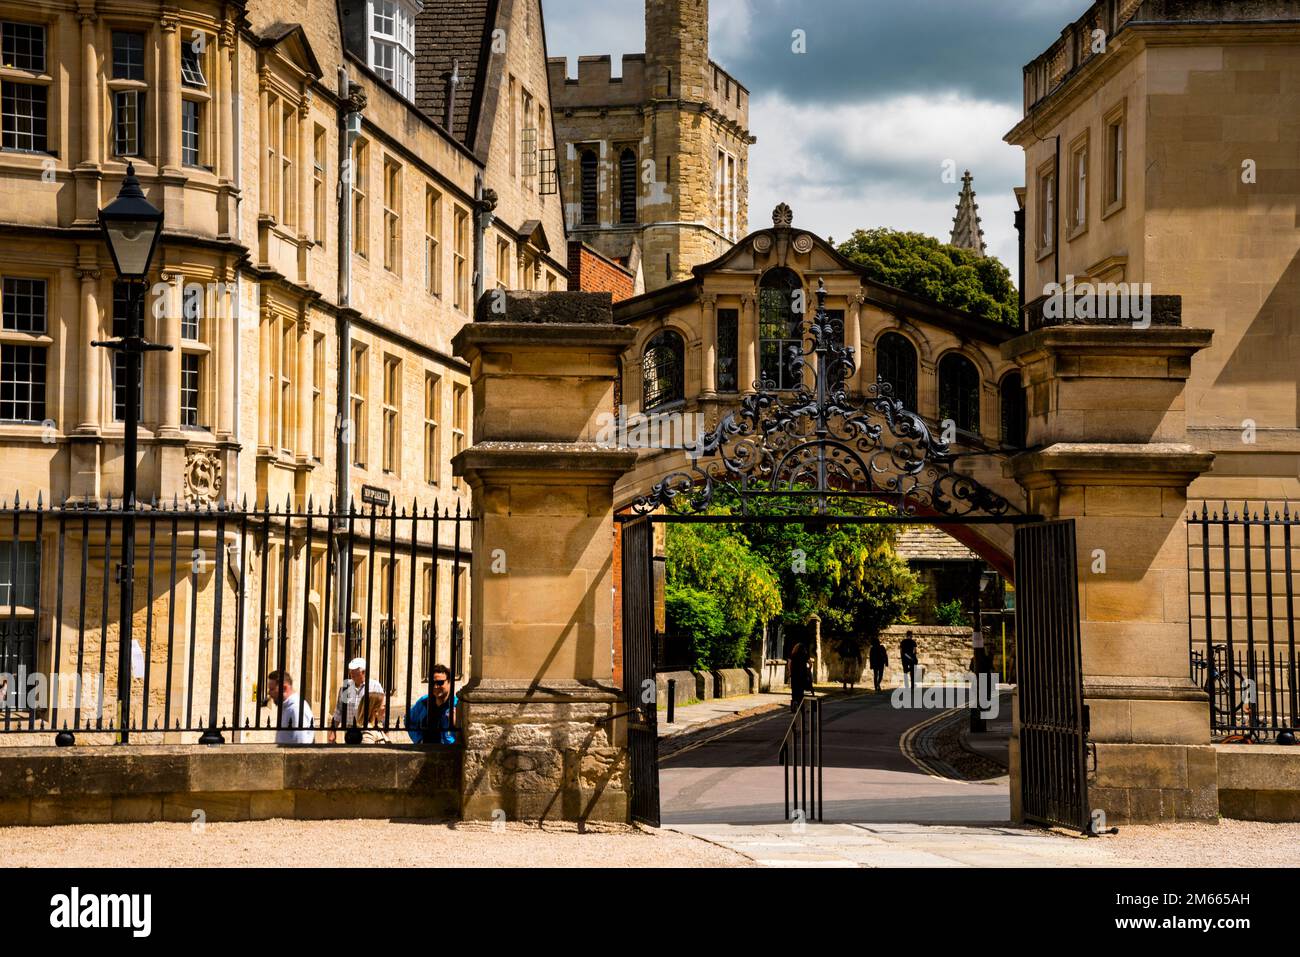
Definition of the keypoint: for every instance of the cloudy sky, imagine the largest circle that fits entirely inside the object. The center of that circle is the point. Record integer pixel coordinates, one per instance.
(856, 132)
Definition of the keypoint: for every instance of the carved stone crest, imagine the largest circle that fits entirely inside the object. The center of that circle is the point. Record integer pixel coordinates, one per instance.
(782, 216)
(203, 478)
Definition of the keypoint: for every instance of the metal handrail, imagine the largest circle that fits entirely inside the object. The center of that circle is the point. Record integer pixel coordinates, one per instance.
(793, 718)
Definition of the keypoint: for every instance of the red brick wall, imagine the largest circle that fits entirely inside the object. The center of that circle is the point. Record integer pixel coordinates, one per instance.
(589, 271)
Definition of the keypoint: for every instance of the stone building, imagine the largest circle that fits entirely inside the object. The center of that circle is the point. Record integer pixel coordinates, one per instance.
(654, 163)
(1160, 161)
(704, 341)
(324, 239)
(1169, 159)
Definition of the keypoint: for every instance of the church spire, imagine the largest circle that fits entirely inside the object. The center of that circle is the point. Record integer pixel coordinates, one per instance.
(966, 232)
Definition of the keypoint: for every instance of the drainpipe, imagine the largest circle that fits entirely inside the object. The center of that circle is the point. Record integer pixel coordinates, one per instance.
(1020, 263)
(1056, 216)
(351, 102)
(485, 201)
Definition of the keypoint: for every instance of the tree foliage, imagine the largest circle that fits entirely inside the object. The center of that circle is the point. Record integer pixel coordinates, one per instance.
(922, 265)
(848, 575)
(713, 561)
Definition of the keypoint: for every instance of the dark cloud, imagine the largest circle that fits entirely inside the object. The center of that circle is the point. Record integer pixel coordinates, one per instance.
(855, 48)
(858, 49)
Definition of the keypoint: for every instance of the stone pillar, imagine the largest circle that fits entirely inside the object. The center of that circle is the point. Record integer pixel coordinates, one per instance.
(168, 364)
(303, 373)
(88, 355)
(170, 107)
(226, 93)
(227, 331)
(84, 439)
(1106, 416)
(265, 381)
(748, 343)
(709, 325)
(540, 742)
(87, 173)
(853, 339)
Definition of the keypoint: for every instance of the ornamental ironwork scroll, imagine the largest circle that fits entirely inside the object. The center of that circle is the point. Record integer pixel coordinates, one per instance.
(812, 445)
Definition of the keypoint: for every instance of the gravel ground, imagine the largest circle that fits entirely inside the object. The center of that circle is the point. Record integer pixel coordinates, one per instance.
(389, 844)
(1226, 844)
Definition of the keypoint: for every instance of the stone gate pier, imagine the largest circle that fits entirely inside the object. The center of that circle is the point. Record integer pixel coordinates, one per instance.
(541, 712)
(1109, 449)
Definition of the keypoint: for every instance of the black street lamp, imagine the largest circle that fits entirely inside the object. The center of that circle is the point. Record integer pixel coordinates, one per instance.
(131, 226)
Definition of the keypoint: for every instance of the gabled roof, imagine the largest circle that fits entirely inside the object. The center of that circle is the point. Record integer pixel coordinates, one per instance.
(293, 38)
(533, 233)
(888, 297)
(453, 35)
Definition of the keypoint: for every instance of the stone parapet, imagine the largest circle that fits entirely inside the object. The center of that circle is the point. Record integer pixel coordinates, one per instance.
(226, 783)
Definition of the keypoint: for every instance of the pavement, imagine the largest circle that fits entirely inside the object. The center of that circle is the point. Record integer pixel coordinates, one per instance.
(732, 777)
(883, 806)
(691, 717)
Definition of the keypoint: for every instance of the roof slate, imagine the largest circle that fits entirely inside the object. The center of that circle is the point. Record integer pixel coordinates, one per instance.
(452, 33)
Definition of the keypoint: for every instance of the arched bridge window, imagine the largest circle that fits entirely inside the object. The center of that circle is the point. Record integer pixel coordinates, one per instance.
(627, 186)
(1015, 415)
(959, 392)
(587, 162)
(896, 364)
(780, 327)
(663, 371)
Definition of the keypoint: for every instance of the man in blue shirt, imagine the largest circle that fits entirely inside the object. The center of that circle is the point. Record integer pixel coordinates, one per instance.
(440, 716)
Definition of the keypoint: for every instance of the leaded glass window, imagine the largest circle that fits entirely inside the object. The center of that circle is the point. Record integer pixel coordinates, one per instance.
(662, 370)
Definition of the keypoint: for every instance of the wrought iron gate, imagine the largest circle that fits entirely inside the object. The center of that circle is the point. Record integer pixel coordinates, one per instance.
(638, 669)
(1053, 719)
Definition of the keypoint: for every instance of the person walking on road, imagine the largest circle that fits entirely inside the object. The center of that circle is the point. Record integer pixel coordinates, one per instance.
(879, 661)
(801, 679)
(907, 652)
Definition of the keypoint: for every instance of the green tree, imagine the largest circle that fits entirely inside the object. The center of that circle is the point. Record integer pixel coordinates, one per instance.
(922, 265)
(846, 574)
(717, 563)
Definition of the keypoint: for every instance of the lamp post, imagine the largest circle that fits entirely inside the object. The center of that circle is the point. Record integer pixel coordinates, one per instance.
(131, 226)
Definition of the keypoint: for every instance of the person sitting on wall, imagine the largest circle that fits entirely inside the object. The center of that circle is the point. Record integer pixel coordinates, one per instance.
(424, 719)
(279, 687)
(349, 710)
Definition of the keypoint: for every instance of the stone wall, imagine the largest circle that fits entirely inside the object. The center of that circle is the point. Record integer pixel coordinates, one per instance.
(940, 650)
(226, 783)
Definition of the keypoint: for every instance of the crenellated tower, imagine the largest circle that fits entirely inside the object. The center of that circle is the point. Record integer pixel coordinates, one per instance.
(654, 163)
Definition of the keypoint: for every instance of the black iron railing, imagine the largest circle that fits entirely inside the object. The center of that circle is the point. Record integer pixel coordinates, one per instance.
(227, 602)
(1242, 635)
(801, 761)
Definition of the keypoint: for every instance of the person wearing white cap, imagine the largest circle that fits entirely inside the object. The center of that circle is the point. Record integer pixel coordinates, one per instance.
(347, 710)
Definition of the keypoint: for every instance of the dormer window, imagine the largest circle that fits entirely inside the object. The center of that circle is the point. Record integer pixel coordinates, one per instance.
(392, 43)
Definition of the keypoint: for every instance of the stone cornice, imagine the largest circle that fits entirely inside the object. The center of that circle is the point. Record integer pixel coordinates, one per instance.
(1111, 464)
(1109, 340)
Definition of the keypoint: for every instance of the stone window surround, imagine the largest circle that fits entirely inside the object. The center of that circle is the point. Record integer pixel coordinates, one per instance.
(41, 340)
(1080, 147)
(54, 106)
(1045, 240)
(1117, 115)
(285, 87)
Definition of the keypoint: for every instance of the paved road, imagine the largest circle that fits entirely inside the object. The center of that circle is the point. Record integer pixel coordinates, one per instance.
(736, 779)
